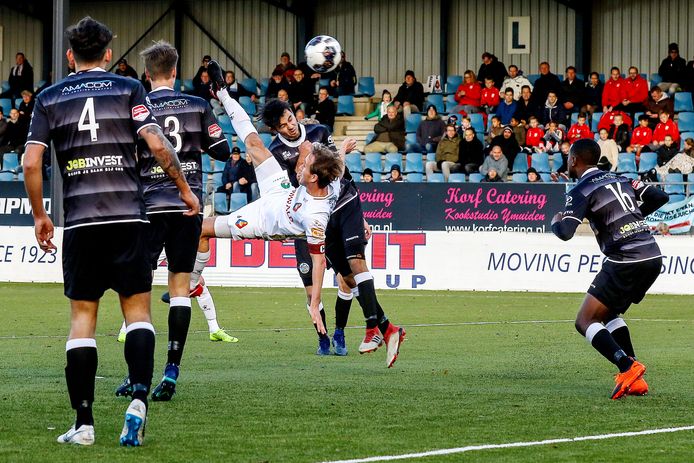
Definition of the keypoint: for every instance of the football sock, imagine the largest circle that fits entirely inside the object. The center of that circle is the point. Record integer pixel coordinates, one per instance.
(239, 118)
(206, 304)
(601, 339)
(383, 324)
(123, 327)
(139, 354)
(201, 260)
(620, 332)
(367, 298)
(179, 321)
(80, 372)
(342, 305)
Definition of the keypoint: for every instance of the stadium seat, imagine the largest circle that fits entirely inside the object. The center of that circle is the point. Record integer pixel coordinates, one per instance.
(574, 118)
(540, 161)
(631, 175)
(267, 139)
(685, 121)
(674, 184)
(626, 162)
(345, 105)
(6, 176)
(489, 122)
(366, 86)
(393, 159)
(377, 177)
(412, 122)
(187, 85)
(477, 122)
(520, 163)
(247, 105)
(238, 200)
(453, 82)
(437, 100)
(323, 82)
(594, 121)
(217, 179)
(457, 178)
(547, 178)
(220, 203)
(435, 178)
(676, 198)
(476, 177)
(557, 161)
(480, 136)
(648, 161)
(353, 162)
(20, 177)
(6, 105)
(177, 85)
(206, 163)
(225, 124)
(683, 102)
(373, 161)
(250, 84)
(5, 85)
(414, 162)
(431, 157)
(415, 178)
(533, 78)
(684, 136)
(410, 142)
(264, 84)
(17, 102)
(10, 161)
(369, 137)
(519, 178)
(655, 79)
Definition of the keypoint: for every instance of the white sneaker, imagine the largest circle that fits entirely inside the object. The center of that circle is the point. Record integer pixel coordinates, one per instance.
(134, 427)
(82, 436)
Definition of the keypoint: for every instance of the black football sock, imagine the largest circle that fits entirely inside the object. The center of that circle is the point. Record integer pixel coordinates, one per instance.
(342, 305)
(179, 322)
(603, 342)
(80, 373)
(620, 333)
(139, 354)
(322, 316)
(367, 298)
(383, 324)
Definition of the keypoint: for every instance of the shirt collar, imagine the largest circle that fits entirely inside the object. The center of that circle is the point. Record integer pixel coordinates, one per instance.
(163, 87)
(589, 170)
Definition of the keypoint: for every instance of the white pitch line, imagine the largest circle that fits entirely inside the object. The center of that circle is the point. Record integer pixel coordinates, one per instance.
(472, 448)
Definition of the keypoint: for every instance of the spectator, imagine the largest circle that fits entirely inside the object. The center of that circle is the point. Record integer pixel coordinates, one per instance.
(607, 119)
(15, 135)
(301, 92)
(507, 109)
(564, 150)
(3, 126)
(609, 152)
(26, 107)
(248, 183)
(309, 73)
(382, 107)
(664, 128)
(689, 77)
(533, 176)
(429, 132)
(204, 88)
(658, 102)
(283, 95)
(554, 135)
(572, 91)
(410, 96)
(518, 131)
(508, 144)
(471, 152)
(579, 130)
(144, 80)
(447, 154)
(468, 95)
(235, 89)
(495, 130)
(489, 98)
(203, 68)
(681, 163)
(547, 82)
(641, 137)
(367, 176)
(125, 70)
(553, 111)
(390, 133)
(21, 78)
(592, 94)
(534, 136)
(497, 162)
(672, 70)
(232, 173)
(619, 132)
(492, 176)
(344, 78)
(614, 92)
(277, 83)
(285, 67)
(635, 93)
(666, 151)
(492, 67)
(516, 81)
(395, 174)
(300, 115)
(325, 109)
(526, 107)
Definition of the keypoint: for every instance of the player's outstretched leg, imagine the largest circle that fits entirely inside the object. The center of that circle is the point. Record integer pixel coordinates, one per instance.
(207, 306)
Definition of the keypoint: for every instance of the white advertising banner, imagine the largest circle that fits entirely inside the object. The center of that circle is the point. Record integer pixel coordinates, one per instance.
(483, 261)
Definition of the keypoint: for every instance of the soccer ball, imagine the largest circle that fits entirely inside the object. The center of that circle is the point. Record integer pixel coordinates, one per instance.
(323, 53)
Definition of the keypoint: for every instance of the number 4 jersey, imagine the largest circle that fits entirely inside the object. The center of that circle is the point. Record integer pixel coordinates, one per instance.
(93, 118)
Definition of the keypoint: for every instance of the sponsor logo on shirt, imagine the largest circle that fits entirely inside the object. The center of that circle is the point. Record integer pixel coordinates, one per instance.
(214, 131)
(178, 103)
(317, 233)
(95, 164)
(139, 113)
(84, 86)
(241, 223)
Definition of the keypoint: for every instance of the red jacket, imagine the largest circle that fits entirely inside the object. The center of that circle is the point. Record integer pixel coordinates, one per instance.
(473, 93)
(577, 132)
(533, 137)
(642, 136)
(490, 97)
(636, 91)
(613, 92)
(608, 118)
(668, 128)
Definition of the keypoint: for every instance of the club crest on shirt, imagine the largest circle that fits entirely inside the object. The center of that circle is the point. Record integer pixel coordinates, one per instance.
(139, 113)
(215, 131)
(285, 184)
(241, 223)
(296, 207)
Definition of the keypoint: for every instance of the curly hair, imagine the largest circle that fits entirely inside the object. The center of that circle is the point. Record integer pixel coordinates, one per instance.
(88, 39)
(273, 111)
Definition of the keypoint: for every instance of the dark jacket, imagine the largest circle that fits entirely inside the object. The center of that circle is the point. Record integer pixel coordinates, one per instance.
(25, 111)
(509, 146)
(273, 88)
(393, 131)
(24, 81)
(232, 171)
(573, 92)
(129, 72)
(346, 78)
(430, 131)
(414, 94)
(471, 152)
(665, 154)
(673, 70)
(593, 95)
(525, 109)
(553, 113)
(301, 91)
(620, 135)
(496, 70)
(239, 91)
(325, 112)
(543, 85)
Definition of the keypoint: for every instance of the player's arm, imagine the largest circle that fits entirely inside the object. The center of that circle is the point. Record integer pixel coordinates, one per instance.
(651, 198)
(214, 139)
(315, 237)
(347, 146)
(564, 224)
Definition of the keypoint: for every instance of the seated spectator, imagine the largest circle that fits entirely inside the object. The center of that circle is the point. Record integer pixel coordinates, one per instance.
(470, 152)
(609, 152)
(666, 151)
(672, 70)
(682, 163)
(491, 67)
(382, 107)
(489, 98)
(516, 82)
(204, 88)
(325, 109)
(21, 78)
(302, 119)
(15, 135)
(203, 68)
(619, 132)
(429, 132)
(285, 67)
(613, 93)
(533, 176)
(395, 174)
(465, 123)
(447, 154)
(26, 107)
(235, 89)
(553, 111)
(492, 176)
(3, 126)
(410, 96)
(665, 127)
(390, 133)
(547, 82)
(572, 91)
(592, 94)
(497, 162)
(144, 80)
(553, 137)
(248, 183)
(534, 137)
(125, 70)
(635, 93)
(507, 109)
(495, 130)
(367, 176)
(518, 131)
(641, 137)
(283, 95)
(507, 143)
(468, 95)
(564, 150)
(525, 107)
(231, 173)
(579, 130)
(607, 119)
(301, 92)
(344, 78)
(277, 83)
(659, 101)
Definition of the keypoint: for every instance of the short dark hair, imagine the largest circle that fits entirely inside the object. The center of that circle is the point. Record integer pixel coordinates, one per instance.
(326, 165)
(160, 59)
(273, 111)
(526, 86)
(587, 150)
(544, 62)
(88, 40)
(595, 74)
(513, 66)
(570, 68)
(324, 88)
(614, 68)
(508, 89)
(582, 115)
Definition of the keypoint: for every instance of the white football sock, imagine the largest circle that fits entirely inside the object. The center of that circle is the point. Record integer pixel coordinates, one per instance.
(201, 260)
(208, 309)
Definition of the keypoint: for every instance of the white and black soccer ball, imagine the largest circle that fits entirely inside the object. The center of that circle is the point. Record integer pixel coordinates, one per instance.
(323, 53)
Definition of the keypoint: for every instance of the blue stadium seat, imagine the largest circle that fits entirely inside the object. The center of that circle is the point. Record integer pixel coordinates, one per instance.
(648, 161)
(250, 84)
(324, 82)
(6, 176)
(489, 121)
(187, 85)
(369, 137)
(345, 105)
(393, 159)
(177, 85)
(5, 85)
(630, 175)
(366, 86)
(415, 178)
(594, 121)
(540, 161)
(6, 105)
(353, 162)
(437, 100)
(480, 136)
(557, 162)
(247, 105)
(685, 121)
(412, 122)
(453, 82)
(626, 162)
(220, 203)
(678, 187)
(676, 198)
(520, 163)
(655, 79)
(20, 177)
(574, 118)
(267, 139)
(519, 178)
(225, 124)
(410, 142)
(414, 162)
(373, 161)
(238, 200)
(264, 84)
(457, 177)
(533, 78)
(683, 102)
(476, 177)
(206, 163)
(377, 177)
(477, 122)
(547, 178)
(10, 161)
(435, 178)
(431, 157)
(17, 102)
(217, 179)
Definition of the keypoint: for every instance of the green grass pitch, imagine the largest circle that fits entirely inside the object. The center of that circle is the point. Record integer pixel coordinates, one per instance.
(525, 376)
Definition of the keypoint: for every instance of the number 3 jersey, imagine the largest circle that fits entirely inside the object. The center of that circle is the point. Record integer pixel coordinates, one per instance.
(611, 205)
(191, 128)
(93, 118)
